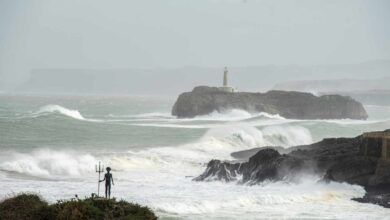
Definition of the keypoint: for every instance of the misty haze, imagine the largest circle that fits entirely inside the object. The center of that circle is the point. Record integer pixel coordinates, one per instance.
(207, 109)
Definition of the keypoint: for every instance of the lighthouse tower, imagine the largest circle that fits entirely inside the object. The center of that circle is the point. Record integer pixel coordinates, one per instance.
(225, 77)
(225, 86)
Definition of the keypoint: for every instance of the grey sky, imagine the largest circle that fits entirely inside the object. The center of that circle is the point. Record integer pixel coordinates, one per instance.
(175, 33)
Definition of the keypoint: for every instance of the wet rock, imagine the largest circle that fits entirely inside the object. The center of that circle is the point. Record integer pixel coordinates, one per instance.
(356, 160)
(267, 164)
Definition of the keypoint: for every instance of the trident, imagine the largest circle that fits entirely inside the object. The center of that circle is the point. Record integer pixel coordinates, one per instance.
(99, 170)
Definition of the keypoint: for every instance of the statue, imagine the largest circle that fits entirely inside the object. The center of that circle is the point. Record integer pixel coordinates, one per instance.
(108, 178)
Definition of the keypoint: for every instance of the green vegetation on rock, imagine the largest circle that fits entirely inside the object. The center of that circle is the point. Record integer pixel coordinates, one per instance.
(32, 207)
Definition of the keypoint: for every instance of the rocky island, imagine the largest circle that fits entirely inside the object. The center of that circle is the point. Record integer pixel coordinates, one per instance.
(363, 160)
(203, 100)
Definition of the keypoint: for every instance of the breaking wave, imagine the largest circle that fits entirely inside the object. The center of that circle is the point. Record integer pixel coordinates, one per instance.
(61, 110)
(46, 163)
(269, 197)
(227, 115)
(236, 115)
(151, 115)
(216, 143)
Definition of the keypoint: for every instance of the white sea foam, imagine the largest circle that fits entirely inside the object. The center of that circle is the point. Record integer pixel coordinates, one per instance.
(49, 163)
(227, 115)
(159, 173)
(212, 120)
(61, 110)
(216, 143)
(268, 197)
(150, 115)
(236, 115)
(160, 177)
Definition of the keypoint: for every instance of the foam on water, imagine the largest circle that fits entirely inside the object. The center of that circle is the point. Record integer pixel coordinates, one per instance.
(146, 116)
(62, 110)
(227, 115)
(49, 163)
(157, 176)
(216, 143)
(235, 115)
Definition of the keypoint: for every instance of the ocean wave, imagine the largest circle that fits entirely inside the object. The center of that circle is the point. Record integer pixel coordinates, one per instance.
(267, 197)
(216, 143)
(58, 109)
(61, 110)
(211, 120)
(236, 115)
(249, 137)
(150, 115)
(49, 163)
(227, 115)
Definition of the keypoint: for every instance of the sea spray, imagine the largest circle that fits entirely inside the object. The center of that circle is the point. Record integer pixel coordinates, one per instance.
(61, 110)
(155, 166)
(49, 163)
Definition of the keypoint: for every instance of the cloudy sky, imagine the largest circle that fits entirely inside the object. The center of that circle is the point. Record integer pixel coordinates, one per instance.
(176, 33)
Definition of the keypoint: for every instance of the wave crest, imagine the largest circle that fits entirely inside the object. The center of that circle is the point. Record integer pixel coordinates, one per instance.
(61, 110)
(46, 163)
(237, 115)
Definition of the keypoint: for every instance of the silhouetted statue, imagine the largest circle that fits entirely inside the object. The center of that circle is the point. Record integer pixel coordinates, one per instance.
(108, 178)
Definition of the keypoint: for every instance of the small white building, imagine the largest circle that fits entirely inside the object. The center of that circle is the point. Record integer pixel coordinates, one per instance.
(225, 86)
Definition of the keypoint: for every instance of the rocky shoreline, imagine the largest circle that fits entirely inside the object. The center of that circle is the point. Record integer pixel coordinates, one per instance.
(203, 100)
(362, 160)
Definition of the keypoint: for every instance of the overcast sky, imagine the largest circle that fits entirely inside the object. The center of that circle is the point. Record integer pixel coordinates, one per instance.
(176, 33)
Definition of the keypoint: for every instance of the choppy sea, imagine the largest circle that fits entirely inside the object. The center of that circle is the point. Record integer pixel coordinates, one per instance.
(50, 145)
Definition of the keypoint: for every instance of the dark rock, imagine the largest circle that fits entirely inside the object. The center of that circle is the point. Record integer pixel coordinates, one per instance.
(354, 170)
(267, 164)
(382, 174)
(246, 154)
(204, 100)
(379, 195)
(335, 159)
(218, 170)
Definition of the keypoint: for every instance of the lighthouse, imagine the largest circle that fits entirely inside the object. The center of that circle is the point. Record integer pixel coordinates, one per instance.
(225, 77)
(225, 85)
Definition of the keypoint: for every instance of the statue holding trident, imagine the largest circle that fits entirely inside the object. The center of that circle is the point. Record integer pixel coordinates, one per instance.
(108, 178)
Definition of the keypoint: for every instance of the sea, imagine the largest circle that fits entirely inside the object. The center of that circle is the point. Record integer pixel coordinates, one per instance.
(50, 145)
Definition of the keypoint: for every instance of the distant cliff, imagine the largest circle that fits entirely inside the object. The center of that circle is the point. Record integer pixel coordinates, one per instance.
(204, 100)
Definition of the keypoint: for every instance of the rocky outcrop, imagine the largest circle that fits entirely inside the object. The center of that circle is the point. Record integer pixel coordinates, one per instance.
(204, 100)
(356, 160)
(267, 164)
(379, 195)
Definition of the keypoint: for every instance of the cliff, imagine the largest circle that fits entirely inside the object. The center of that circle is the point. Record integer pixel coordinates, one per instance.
(362, 160)
(204, 100)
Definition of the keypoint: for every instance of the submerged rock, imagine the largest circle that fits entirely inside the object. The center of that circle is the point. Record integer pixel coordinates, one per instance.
(204, 100)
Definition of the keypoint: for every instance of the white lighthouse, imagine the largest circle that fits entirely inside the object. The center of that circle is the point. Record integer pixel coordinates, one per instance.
(225, 86)
(225, 77)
